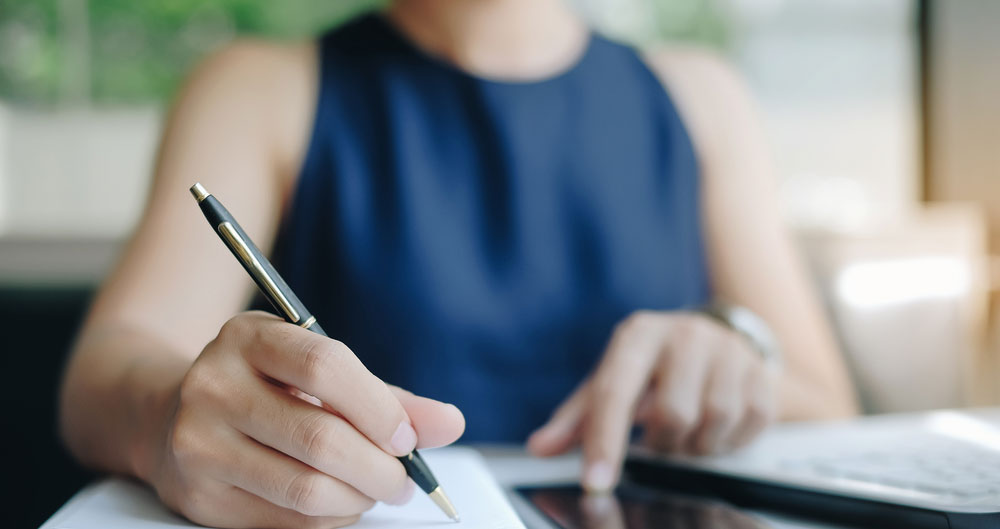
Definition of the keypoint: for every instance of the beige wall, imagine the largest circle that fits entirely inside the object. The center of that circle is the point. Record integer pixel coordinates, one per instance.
(964, 133)
(74, 173)
(964, 150)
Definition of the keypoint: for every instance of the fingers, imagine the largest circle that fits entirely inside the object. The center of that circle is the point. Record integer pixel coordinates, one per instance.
(677, 396)
(711, 392)
(761, 407)
(436, 423)
(614, 391)
(722, 404)
(562, 431)
(602, 511)
(288, 483)
(328, 370)
(320, 440)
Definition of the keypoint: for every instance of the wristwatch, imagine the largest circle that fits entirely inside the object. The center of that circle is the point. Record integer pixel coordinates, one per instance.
(751, 326)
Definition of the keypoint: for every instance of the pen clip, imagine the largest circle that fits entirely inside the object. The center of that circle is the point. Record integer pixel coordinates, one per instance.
(253, 266)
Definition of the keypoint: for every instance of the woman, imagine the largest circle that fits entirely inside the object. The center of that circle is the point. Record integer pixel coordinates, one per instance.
(485, 204)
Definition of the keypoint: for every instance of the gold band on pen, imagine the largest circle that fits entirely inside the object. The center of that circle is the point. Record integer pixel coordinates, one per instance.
(308, 323)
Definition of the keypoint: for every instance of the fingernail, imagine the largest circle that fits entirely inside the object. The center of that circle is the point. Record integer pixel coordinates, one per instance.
(404, 440)
(599, 477)
(404, 495)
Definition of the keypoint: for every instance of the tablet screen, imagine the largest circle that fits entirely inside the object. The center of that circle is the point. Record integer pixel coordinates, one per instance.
(633, 507)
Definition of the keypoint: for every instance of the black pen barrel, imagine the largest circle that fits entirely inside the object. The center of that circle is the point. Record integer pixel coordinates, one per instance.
(288, 305)
(268, 280)
(419, 472)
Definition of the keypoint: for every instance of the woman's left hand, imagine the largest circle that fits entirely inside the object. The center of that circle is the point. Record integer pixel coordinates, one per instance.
(693, 384)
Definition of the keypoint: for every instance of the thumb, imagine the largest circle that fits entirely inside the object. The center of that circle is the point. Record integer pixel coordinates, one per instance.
(436, 423)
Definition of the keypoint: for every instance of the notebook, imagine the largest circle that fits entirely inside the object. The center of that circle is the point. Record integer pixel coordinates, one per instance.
(119, 504)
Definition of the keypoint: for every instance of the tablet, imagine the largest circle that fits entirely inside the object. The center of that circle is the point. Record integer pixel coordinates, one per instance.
(633, 507)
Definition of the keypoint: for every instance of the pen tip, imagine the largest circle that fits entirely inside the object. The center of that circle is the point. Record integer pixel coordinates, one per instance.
(442, 501)
(199, 192)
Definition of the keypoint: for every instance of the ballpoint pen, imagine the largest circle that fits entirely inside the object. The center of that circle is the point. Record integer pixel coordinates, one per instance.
(288, 306)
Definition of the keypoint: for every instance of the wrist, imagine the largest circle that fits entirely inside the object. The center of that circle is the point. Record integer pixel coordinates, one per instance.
(751, 327)
(153, 389)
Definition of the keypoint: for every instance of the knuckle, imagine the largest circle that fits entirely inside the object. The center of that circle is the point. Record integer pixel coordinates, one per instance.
(194, 383)
(717, 411)
(318, 438)
(704, 327)
(304, 493)
(318, 361)
(235, 327)
(185, 441)
(674, 415)
(284, 334)
(200, 384)
(190, 503)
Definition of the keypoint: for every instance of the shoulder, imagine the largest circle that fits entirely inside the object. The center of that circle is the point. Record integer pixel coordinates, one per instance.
(261, 90)
(256, 59)
(710, 95)
(252, 71)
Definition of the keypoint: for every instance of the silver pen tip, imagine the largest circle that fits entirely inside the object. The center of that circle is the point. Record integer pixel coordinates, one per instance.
(444, 503)
(199, 192)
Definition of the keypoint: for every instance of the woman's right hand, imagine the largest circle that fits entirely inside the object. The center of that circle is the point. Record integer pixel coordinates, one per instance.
(276, 426)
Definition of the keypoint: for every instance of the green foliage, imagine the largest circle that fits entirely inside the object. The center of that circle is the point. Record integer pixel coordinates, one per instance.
(134, 51)
(138, 49)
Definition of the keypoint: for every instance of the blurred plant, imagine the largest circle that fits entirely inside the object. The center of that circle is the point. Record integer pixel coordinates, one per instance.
(66, 52)
(645, 21)
(135, 51)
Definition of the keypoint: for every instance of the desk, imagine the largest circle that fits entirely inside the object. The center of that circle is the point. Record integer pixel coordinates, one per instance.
(512, 468)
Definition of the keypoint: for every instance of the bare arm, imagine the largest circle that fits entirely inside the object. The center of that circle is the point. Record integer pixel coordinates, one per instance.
(752, 259)
(169, 383)
(174, 285)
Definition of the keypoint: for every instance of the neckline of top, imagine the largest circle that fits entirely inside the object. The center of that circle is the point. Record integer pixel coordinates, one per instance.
(444, 64)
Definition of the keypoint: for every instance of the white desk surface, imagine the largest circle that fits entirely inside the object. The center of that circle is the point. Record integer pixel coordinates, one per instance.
(512, 467)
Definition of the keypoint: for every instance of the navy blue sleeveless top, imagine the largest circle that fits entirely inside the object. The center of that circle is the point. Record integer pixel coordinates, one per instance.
(476, 241)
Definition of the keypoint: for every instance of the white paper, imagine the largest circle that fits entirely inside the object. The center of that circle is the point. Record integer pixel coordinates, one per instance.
(461, 472)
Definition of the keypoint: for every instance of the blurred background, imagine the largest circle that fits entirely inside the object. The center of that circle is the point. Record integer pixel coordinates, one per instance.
(881, 115)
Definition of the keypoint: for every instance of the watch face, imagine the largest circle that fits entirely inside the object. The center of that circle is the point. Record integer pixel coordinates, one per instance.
(633, 507)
